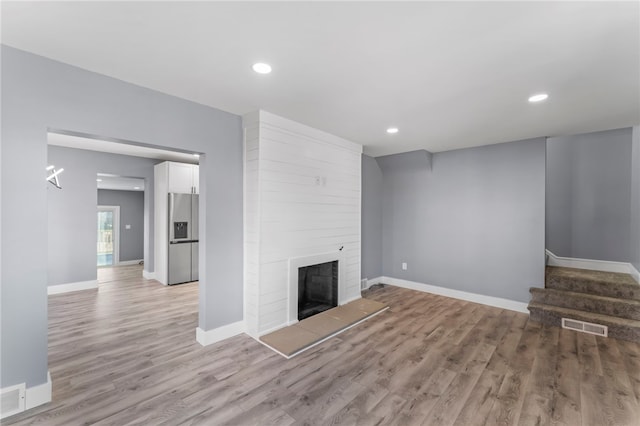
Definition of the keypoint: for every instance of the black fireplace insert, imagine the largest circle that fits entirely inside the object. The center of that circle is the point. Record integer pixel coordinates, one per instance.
(317, 288)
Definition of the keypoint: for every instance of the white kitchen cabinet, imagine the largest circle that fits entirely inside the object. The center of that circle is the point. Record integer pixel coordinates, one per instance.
(196, 179)
(183, 178)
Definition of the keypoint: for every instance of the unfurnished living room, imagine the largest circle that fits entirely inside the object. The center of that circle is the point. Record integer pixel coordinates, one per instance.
(253, 213)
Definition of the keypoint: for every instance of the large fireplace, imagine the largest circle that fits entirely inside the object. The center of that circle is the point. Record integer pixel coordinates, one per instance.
(315, 284)
(317, 288)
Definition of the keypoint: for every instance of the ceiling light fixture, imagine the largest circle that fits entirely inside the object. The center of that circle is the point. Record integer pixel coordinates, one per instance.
(392, 130)
(538, 98)
(262, 68)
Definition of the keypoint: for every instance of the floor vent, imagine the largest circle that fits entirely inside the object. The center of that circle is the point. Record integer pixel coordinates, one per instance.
(585, 327)
(12, 400)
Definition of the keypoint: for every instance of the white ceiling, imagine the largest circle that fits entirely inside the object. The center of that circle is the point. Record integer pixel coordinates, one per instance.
(449, 75)
(119, 183)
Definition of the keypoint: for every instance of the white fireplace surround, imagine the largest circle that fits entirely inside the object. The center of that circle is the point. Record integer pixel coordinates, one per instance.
(300, 262)
(302, 202)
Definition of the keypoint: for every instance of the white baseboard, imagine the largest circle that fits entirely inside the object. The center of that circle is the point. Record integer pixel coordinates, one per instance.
(210, 337)
(129, 262)
(374, 281)
(66, 288)
(25, 398)
(498, 302)
(592, 264)
(148, 275)
(38, 395)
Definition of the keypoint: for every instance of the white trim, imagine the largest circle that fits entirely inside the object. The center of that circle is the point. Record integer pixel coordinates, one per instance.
(215, 335)
(374, 281)
(21, 398)
(592, 264)
(38, 395)
(66, 288)
(324, 339)
(498, 302)
(129, 262)
(148, 275)
(301, 262)
(29, 397)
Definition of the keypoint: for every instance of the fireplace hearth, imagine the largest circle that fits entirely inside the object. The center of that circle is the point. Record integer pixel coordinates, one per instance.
(317, 288)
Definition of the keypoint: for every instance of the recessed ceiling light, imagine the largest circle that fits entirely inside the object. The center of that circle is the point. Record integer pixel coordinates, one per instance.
(262, 68)
(392, 130)
(98, 180)
(538, 98)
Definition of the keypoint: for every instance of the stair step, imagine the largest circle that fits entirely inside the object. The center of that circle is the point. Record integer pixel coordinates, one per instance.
(619, 328)
(608, 284)
(623, 308)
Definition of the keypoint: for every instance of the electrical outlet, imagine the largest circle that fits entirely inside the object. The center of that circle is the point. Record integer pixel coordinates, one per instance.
(404, 266)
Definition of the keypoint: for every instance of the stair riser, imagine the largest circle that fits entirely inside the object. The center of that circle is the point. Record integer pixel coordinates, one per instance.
(596, 288)
(615, 331)
(619, 308)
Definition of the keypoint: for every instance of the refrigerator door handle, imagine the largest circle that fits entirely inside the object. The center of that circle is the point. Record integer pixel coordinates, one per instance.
(183, 241)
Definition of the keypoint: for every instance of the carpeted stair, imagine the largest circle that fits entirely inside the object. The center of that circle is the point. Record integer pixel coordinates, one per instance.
(606, 298)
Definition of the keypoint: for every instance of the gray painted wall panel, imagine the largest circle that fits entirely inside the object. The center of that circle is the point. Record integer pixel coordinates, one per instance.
(589, 194)
(474, 222)
(131, 204)
(40, 94)
(371, 218)
(71, 213)
(635, 199)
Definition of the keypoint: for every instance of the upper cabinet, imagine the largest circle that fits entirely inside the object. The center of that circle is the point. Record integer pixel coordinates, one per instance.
(196, 179)
(183, 178)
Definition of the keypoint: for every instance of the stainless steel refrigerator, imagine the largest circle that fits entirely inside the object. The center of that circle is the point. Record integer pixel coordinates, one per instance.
(183, 238)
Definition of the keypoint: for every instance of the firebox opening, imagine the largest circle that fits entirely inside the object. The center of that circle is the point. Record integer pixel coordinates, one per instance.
(317, 288)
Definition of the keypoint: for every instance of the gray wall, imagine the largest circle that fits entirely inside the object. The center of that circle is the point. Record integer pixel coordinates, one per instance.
(131, 244)
(589, 194)
(371, 221)
(470, 219)
(635, 199)
(71, 211)
(40, 94)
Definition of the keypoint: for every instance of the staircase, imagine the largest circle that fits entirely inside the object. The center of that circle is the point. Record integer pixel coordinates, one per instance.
(606, 298)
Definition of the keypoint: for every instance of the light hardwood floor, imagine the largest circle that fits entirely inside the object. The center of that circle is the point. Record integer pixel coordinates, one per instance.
(126, 354)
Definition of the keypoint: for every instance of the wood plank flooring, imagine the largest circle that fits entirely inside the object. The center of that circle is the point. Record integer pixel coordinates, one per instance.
(126, 354)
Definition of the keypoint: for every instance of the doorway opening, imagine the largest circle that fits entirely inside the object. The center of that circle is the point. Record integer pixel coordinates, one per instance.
(108, 236)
